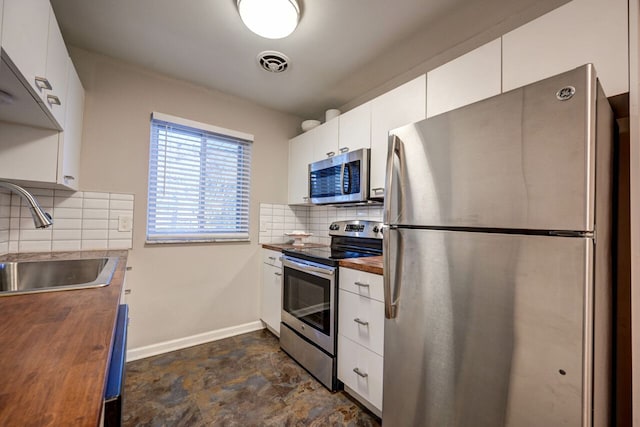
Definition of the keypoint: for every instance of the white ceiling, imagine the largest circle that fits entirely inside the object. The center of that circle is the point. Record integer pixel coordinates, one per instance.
(341, 49)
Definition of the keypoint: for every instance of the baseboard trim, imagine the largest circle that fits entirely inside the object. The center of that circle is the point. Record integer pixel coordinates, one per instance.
(180, 343)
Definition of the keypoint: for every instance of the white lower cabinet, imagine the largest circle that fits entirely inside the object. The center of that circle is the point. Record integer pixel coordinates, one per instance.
(362, 320)
(361, 336)
(360, 370)
(271, 305)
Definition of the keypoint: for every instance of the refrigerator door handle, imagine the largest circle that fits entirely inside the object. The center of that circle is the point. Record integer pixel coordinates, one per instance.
(396, 150)
(394, 274)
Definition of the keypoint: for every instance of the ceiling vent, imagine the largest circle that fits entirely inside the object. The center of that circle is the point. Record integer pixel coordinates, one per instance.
(272, 61)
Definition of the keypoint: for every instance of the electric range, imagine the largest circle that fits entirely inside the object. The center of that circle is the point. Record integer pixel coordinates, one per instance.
(310, 288)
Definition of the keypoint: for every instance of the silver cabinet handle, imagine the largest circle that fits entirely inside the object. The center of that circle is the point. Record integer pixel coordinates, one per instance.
(331, 154)
(42, 83)
(377, 190)
(53, 100)
(305, 198)
(69, 177)
(366, 285)
(361, 322)
(278, 274)
(344, 149)
(272, 258)
(359, 373)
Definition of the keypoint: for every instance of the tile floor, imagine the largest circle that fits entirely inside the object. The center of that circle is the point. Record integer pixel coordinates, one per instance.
(239, 381)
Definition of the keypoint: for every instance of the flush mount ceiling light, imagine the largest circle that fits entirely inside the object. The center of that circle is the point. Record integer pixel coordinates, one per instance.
(271, 19)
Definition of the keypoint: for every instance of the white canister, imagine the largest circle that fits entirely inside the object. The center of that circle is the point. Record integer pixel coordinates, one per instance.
(331, 114)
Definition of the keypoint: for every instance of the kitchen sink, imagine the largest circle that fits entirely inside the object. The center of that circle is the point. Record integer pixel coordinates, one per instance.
(23, 277)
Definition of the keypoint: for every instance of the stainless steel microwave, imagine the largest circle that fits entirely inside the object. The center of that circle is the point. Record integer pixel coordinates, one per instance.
(340, 179)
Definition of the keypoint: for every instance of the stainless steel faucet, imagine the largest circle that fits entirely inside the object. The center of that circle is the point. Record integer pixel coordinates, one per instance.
(41, 219)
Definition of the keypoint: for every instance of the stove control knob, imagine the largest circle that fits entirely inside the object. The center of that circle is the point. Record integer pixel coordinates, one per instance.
(376, 229)
(334, 227)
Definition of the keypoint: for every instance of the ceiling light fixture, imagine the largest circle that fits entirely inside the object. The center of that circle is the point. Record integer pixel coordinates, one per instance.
(271, 19)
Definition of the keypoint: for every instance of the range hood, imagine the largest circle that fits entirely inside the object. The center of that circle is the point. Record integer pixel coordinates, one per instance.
(17, 102)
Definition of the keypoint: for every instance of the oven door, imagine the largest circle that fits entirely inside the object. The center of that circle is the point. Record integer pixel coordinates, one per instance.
(309, 301)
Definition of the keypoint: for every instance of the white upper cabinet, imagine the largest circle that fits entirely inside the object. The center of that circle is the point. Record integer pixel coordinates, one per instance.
(574, 34)
(300, 155)
(56, 72)
(469, 78)
(355, 129)
(398, 107)
(25, 30)
(324, 140)
(71, 139)
(35, 48)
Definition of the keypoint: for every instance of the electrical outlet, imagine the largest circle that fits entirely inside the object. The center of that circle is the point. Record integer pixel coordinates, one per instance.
(125, 223)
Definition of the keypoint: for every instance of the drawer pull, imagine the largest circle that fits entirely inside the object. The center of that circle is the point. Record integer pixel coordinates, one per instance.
(272, 258)
(360, 374)
(365, 285)
(377, 190)
(361, 322)
(331, 153)
(344, 149)
(278, 274)
(53, 100)
(42, 83)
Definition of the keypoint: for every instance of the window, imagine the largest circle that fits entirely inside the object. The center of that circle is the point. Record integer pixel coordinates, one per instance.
(199, 178)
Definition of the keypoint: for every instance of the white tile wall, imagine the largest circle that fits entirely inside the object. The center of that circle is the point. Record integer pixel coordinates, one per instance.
(275, 220)
(81, 221)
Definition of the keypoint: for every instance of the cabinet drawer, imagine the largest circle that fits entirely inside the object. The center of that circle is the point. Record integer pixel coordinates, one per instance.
(362, 283)
(361, 319)
(352, 357)
(272, 257)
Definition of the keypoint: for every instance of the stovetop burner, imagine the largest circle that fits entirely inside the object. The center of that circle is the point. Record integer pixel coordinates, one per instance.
(349, 239)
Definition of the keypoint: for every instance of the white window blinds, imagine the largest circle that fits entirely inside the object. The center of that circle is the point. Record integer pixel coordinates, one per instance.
(199, 182)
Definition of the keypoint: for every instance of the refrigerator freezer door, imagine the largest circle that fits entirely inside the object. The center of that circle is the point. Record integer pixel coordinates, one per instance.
(522, 160)
(489, 330)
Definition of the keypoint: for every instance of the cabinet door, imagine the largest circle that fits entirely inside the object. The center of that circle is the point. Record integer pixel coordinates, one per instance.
(572, 35)
(401, 106)
(57, 70)
(355, 129)
(271, 296)
(28, 153)
(71, 137)
(362, 283)
(325, 140)
(300, 155)
(361, 319)
(360, 370)
(469, 78)
(25, 30)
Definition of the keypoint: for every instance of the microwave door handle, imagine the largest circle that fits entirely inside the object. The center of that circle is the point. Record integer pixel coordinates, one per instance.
(342, 178)
(347, 169)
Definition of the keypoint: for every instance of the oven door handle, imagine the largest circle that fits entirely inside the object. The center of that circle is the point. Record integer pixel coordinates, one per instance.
(308, 268)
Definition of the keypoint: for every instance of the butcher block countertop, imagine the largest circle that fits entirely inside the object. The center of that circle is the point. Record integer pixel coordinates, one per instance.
(55, 349)
(372, 264)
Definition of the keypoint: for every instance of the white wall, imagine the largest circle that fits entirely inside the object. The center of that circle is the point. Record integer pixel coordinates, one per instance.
(177, 290)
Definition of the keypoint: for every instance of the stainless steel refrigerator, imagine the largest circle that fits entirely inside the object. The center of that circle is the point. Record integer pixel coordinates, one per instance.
(498, 261)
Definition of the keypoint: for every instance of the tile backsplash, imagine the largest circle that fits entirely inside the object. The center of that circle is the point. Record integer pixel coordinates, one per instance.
(276, 219)
(81, 221)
